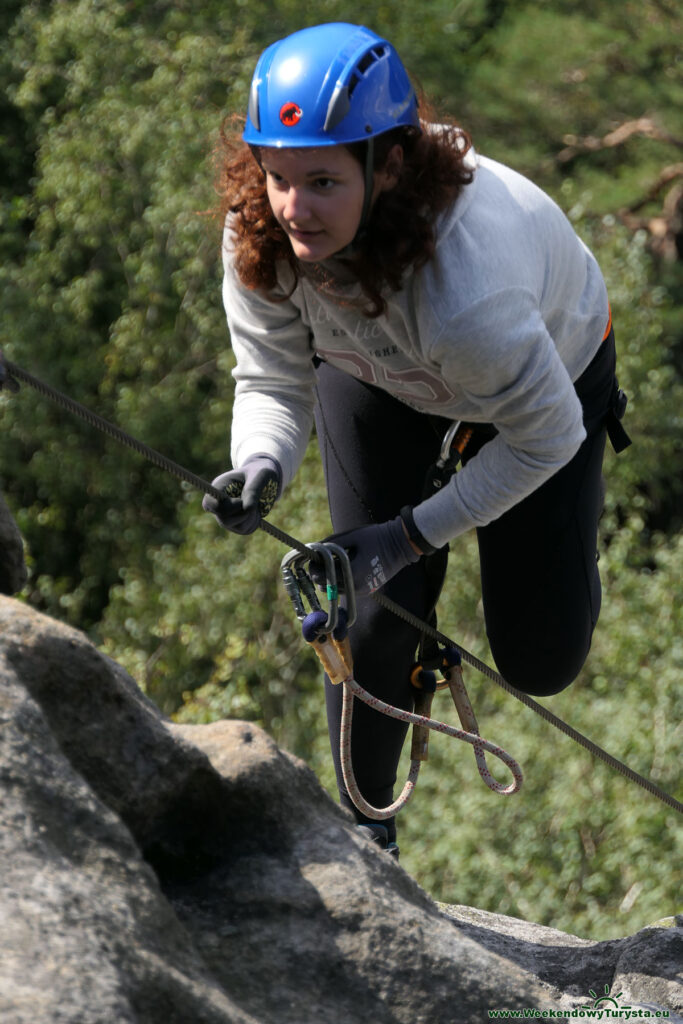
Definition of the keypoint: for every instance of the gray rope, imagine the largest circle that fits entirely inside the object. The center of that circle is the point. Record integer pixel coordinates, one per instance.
(181, 473)
(92, 418)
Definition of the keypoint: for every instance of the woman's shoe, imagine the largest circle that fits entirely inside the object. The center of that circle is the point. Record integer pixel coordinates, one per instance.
(379, 834)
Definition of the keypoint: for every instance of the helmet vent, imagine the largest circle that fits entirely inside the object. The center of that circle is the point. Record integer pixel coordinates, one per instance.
(366, 61)
(340, 102)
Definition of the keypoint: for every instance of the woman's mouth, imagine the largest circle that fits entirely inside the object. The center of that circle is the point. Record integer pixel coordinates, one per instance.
(303, 236)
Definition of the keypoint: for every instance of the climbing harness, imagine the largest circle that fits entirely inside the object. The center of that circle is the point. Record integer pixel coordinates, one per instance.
(11, 375)
(327, 634)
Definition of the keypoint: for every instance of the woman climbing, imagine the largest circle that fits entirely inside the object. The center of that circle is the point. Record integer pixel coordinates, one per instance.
(387, 280)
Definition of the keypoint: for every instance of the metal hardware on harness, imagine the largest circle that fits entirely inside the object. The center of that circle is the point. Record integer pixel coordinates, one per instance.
(452, 447)
(325, 632)
(299, 584)
(447, 444)
(456, 439)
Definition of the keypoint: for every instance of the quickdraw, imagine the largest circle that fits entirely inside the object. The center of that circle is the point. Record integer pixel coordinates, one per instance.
(327, 633)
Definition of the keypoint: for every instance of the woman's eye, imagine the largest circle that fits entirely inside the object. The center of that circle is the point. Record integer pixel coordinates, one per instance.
(324, 183)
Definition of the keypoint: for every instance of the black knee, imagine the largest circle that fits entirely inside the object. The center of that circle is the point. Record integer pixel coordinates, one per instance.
(536, 672)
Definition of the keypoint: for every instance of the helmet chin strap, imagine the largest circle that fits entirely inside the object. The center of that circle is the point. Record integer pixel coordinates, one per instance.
(369, 185)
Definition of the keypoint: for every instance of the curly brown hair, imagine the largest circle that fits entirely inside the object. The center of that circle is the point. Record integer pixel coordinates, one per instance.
(401, 229)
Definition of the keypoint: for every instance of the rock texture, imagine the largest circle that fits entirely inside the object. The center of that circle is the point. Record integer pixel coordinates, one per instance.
(164, 874)
(645, 970)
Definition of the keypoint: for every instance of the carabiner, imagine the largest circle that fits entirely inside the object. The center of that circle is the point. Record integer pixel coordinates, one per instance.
(301, 588)
(447, 444)
(349, 592)
(298, 584)
(455, 441)
(330, 584)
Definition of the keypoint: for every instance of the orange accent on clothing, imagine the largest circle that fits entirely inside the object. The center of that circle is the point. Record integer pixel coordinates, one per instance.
(609, 324)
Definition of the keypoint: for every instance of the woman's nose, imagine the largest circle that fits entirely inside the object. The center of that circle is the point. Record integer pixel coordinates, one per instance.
(296, 206)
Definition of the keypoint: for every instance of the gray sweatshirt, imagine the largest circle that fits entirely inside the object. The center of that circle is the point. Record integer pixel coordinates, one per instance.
(494, 329)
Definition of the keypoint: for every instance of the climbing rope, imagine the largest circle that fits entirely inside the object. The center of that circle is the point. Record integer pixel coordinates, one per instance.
(10, 373)
(354, 689)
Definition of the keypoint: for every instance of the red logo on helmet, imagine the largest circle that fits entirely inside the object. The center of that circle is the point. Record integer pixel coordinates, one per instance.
(290, 114)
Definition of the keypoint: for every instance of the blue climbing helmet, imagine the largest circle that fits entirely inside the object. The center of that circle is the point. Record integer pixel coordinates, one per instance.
(328, 85)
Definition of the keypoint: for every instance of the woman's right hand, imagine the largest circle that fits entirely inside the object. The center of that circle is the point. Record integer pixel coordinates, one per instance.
(249, 493)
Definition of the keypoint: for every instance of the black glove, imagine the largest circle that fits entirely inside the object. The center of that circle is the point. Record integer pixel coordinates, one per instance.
(376, 554)
(250, 493)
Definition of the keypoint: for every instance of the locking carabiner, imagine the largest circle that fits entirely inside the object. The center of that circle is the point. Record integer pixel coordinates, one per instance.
(302, 591)
(349, 591)
(325, 632)
(331, 588)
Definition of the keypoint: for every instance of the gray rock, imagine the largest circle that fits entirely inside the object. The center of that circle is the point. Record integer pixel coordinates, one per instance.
(190, 874)
(645, 970)
(12, 566)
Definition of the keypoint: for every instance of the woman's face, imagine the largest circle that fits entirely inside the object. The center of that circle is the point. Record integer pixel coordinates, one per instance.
(316, 195)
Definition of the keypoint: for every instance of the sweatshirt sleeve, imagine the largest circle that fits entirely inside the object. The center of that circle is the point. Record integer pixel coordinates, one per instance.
(274, 393)
(504, 359)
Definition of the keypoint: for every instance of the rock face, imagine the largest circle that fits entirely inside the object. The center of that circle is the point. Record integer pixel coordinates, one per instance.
(164, 874)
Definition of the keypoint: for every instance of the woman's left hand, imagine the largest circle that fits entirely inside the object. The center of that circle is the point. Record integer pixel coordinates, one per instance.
(376, 554)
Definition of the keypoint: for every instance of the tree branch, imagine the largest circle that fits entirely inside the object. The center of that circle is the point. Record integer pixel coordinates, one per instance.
(665, 228)
(644, 126)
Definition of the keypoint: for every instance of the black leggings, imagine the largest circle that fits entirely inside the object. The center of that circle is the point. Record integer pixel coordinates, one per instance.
(539, 575)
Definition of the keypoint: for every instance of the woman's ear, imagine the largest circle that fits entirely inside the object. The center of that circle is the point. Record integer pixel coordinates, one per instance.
(387, 177)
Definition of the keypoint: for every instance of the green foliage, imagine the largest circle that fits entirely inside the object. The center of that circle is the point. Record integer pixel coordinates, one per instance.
(115, 296)
(579, 848)
(109, 289)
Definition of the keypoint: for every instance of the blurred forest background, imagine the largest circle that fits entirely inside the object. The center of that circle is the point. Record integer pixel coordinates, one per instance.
(110, 291)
